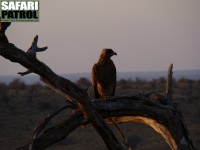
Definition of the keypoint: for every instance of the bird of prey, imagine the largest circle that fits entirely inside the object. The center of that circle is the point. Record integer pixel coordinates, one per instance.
(104, 75)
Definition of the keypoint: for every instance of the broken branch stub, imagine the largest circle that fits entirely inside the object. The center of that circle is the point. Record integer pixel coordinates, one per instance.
(34, 48)
(169, 85)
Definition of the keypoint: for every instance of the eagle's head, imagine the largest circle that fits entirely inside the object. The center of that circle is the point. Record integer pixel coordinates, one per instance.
(106, 52)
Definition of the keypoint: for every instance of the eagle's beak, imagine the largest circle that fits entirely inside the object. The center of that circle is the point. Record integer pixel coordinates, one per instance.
(114, 53)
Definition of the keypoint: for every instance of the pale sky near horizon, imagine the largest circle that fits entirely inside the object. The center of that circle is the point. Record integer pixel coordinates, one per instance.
(147, 35)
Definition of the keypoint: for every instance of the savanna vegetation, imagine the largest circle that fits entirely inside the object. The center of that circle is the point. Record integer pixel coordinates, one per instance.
(22, 106)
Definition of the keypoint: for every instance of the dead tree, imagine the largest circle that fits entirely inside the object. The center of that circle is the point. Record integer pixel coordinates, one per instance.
(163, 116)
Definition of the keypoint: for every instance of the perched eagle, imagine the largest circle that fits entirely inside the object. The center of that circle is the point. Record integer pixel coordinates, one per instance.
(104, 75)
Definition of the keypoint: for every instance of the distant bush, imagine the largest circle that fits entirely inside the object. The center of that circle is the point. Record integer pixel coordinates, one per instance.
(3, 92)
(35, 88)
(124, 84)
(83, 82)
(17, 84)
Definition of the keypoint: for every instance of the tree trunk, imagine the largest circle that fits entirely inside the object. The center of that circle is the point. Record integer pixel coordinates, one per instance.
(165, 119)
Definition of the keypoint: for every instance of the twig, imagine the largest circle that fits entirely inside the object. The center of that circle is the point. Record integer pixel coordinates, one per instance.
(25, 73)
(86, 89)
(122, 134)
(186, 132)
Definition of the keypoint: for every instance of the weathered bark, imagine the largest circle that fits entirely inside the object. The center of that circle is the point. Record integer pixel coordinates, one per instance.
(165, 119)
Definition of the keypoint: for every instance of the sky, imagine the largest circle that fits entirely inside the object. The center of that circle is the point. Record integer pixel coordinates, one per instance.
(148, 35)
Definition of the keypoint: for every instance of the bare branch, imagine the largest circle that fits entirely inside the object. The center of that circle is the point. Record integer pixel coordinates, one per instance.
(60, 130)
(42, 124)
(169, 85)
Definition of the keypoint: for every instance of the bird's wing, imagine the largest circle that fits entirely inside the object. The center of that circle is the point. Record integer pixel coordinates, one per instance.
(94, 80)
(114, 79)
(114, 89)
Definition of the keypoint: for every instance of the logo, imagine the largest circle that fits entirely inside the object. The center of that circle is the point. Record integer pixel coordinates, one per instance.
(19, 10)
